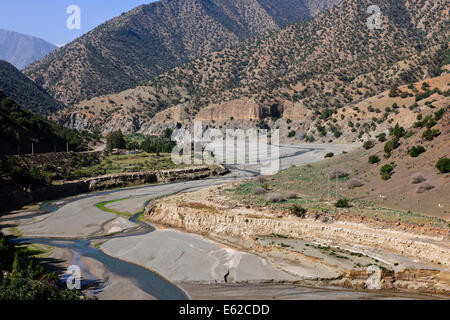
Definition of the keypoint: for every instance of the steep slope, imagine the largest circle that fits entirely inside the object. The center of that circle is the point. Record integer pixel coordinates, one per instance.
(153, 38)
(29, 95)
(331, 61)
(21, 50)
(20, 128)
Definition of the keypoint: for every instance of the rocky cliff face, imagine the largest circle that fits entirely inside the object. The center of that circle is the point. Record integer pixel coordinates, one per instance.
(212, 214)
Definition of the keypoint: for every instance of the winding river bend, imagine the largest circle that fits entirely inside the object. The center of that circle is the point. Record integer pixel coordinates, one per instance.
(77, 223)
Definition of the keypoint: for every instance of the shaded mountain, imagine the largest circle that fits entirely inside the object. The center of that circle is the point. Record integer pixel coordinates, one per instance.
(29, 95)
(153, 38)
(21, 50)
(329, 62)
(20, 128)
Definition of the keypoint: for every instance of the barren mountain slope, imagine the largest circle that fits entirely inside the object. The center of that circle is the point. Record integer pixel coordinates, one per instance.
(329, 62)
(153, 38)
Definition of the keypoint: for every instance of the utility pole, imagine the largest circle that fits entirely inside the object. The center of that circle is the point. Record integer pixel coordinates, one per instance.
(337, 187)
(32, 148)
(67, 147)
(329, 195)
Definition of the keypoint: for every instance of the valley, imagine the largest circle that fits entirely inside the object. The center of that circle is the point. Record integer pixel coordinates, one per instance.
(174, 255)
(217, 150)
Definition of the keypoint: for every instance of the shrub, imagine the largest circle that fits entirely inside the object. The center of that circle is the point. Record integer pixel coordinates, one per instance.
(416, 151)
(386, 172)
(260, 179)
(374, 159)
(354, 183)
(337, 173)
(443, 165)
(382, 137)
(298, 211)
(291, 134)
(430, 134)
(329, 155)
(424, 187)
(368, 145)
(387, 168)
(342, 203)
(259, 191)
(292, 195)
(391, 145)
(397, 131)
(417, 178)
(276, 197)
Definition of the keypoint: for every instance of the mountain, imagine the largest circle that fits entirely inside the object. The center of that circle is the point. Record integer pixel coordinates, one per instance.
(21, 50)
(19, 128)
(153, 38)
(329, 62)
(21, 89)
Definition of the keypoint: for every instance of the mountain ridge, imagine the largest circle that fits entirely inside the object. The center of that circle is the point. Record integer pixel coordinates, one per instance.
(21, 50)
(25, 92)
(153, 38)
(327, 62)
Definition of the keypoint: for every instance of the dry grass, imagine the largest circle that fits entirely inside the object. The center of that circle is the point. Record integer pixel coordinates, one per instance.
(258, 191)
(354, 183)
(292, 195)
(276, 197)
(337, 173)
(417, 178)
(424, 187)
(199, 206)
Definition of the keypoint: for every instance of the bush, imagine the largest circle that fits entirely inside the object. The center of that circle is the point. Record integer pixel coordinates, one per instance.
(354, 183)
(386, 172)
(424, 187)
(443, 165)
(342, 203)
(260, 179)
(259, 191)
(368, 145)
(298, 211)
(292, 195)
(430, 134)
(382, 137)
(276, 197)
(416, 151)
(417, 178)
(337, 173)
(329, 155)
(391, 145)
(374, 159)
(291, 134)
(387, 168)
(397, 131)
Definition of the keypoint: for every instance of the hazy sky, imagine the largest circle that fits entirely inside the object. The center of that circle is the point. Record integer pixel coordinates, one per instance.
(46, 19)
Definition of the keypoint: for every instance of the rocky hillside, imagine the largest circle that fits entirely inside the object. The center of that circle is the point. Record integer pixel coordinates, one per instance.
(22, 50)
(329, 62)
(25, 92)
(153, 38)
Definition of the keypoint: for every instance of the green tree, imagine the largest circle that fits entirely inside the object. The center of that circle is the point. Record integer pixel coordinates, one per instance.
(115, 140)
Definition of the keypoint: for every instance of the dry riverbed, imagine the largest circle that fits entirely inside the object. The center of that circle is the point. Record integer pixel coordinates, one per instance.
(314, 252)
